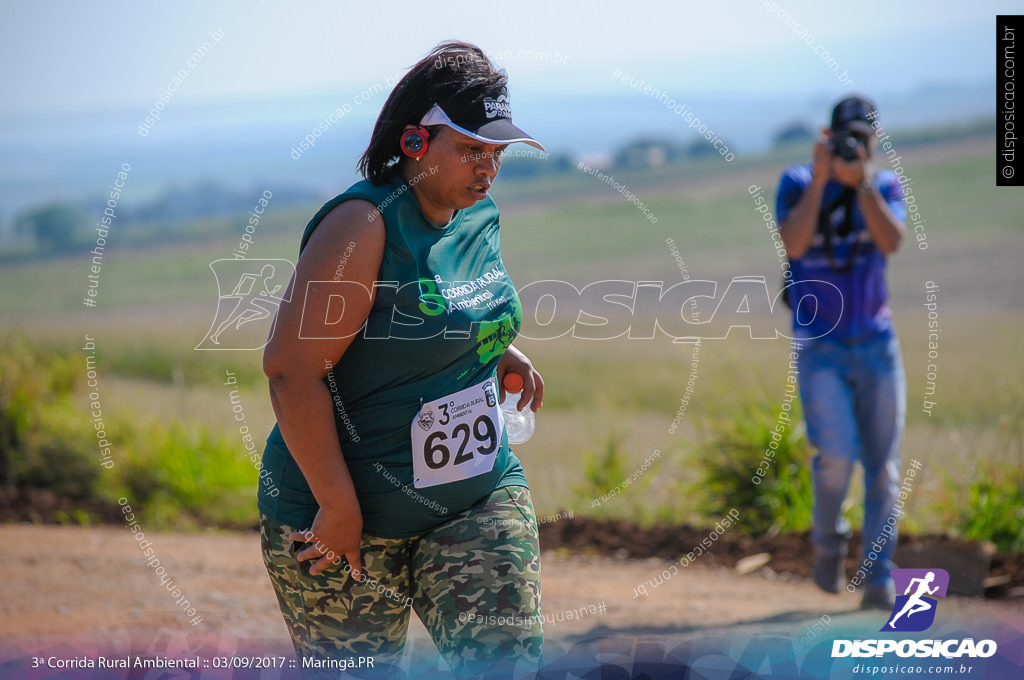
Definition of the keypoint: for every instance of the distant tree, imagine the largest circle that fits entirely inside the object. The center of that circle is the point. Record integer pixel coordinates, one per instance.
(702, 148)
(646, 152)
(794, 132)
(52, 226)
(563, 163)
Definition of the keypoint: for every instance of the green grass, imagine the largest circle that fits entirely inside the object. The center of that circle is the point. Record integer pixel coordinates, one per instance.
(632, 389)
(745, 462)
(51, 424)
(991, 505)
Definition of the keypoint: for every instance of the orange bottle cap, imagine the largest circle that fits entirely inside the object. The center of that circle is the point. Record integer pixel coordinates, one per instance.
(513, 382)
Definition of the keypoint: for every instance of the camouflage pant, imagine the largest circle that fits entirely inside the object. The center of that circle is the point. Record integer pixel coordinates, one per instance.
(474, 582)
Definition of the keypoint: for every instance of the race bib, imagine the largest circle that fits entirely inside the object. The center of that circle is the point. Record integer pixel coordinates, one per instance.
(456, 437)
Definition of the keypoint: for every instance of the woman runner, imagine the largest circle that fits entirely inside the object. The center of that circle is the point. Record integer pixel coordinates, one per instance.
(396, 479)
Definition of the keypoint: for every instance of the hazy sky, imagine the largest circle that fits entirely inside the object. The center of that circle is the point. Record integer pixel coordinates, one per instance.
(74, 57)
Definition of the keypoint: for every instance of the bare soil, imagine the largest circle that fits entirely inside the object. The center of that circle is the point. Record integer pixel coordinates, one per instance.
(91, 588)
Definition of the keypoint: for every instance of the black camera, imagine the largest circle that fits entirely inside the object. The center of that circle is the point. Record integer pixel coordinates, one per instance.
(844, 145)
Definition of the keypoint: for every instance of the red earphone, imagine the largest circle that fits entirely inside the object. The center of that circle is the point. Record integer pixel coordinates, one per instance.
(414, 142)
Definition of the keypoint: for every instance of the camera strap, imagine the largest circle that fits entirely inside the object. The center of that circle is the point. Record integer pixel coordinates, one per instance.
(845, 200)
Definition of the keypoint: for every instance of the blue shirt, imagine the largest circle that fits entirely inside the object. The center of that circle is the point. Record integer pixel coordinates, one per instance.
(836, 298)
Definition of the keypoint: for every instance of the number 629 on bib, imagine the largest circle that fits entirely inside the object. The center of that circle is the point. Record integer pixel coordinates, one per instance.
(456, 437)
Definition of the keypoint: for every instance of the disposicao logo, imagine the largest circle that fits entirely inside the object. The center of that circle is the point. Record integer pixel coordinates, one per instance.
(914, 612)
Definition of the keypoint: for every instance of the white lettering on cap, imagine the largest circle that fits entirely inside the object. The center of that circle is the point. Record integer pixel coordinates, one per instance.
(499, 107)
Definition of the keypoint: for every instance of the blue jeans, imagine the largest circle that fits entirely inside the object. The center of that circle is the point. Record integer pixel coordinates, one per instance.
(854, 398)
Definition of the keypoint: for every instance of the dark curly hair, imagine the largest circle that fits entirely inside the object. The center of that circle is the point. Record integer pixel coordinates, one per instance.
(456, 75)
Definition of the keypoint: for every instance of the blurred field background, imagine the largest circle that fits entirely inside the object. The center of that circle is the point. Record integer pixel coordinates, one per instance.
(609, 404)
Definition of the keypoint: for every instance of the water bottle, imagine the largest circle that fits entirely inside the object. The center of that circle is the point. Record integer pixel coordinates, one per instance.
(518, 424)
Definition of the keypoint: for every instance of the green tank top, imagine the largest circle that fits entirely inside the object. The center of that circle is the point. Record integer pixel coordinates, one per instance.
(444, 314)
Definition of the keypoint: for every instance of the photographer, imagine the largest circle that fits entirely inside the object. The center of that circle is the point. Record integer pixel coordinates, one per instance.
(839, 222)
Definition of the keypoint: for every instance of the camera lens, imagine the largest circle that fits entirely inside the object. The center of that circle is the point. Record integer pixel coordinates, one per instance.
(845, 146)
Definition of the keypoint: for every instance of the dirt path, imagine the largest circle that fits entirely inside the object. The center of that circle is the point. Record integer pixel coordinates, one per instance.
(87, 587)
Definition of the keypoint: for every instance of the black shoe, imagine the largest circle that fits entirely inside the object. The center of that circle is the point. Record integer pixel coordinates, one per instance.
(879, 596)
(828, 572)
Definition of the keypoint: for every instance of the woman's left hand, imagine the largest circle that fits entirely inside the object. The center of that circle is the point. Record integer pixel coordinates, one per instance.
(514, 361)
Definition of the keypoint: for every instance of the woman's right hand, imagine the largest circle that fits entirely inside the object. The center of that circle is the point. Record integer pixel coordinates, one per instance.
(299, 356)
(338, 534)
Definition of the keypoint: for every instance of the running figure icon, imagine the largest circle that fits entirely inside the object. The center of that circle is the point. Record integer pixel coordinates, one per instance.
(915, 603)
(921, 590)
(249, 306)
(249, 293)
